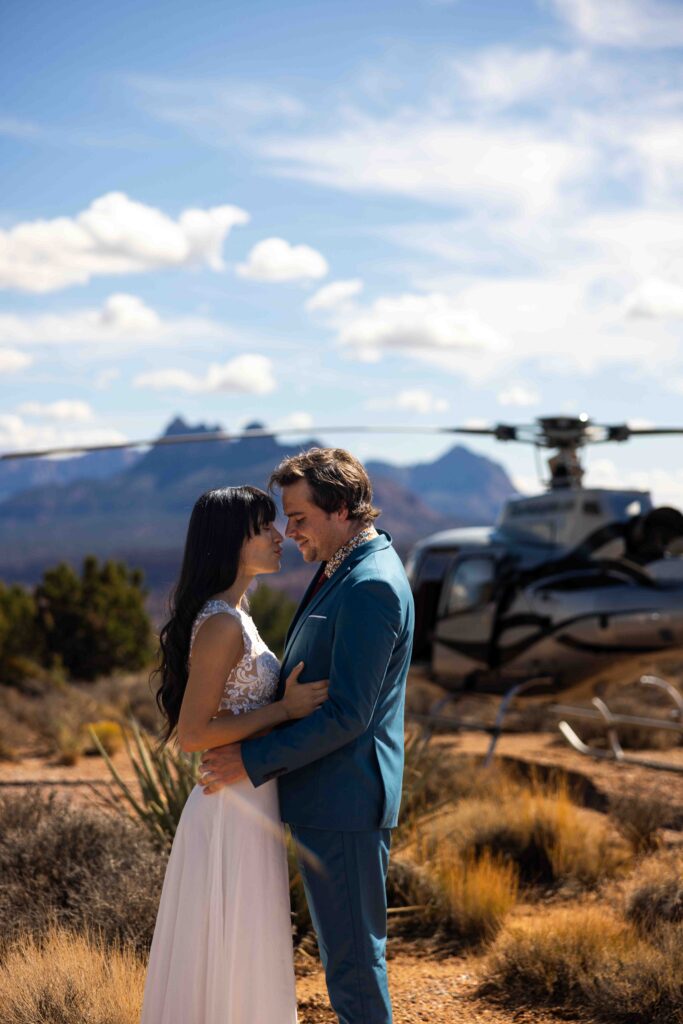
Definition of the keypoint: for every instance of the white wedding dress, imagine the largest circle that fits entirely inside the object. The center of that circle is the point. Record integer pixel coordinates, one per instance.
(222, 947)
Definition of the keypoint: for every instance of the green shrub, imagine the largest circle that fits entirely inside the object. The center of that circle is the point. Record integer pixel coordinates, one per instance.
(95, 623)
(165, 779)
(20, 635)
(272, 611)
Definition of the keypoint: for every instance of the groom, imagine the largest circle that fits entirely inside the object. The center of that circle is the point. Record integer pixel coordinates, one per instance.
(340, 769)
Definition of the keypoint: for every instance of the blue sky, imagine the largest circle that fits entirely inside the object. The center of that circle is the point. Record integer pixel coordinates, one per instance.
(415, 212)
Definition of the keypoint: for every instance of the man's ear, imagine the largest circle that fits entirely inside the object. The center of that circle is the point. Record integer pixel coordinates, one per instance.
(343, 513)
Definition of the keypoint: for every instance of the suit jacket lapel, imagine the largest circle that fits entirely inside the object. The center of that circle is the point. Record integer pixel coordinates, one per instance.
(308, 605)
(302, 604)
(305, 609)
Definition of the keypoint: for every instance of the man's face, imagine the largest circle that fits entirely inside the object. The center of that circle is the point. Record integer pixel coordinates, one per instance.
(317, 534)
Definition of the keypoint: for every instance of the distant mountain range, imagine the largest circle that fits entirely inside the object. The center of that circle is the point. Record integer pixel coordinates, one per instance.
(136, 507)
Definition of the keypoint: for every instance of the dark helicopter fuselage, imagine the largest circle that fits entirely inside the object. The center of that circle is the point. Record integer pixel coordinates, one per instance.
(566, 584)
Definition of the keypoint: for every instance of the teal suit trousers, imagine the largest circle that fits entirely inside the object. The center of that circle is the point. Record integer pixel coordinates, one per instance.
(344, 875)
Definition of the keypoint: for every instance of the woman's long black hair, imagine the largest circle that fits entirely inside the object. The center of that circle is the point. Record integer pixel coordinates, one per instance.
(221, 521)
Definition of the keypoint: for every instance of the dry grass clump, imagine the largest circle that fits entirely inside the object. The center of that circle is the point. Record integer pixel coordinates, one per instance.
(70, 979)
(52, 716)
(639, 820)
(130, 695)
(459, 902)
(82, 868)
(478, 892)
(586, 960)
(428, 778)
(655, 897)
(538, 828)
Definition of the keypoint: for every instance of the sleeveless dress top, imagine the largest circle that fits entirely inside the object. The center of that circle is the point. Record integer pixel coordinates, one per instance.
(253, 681)
(222, 949)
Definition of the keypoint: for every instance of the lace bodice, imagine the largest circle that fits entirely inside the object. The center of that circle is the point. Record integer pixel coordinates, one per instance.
(253, 680)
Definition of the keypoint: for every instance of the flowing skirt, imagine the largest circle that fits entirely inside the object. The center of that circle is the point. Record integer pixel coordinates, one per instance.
(222, 946)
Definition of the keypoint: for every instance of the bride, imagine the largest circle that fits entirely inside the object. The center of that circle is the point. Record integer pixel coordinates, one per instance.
(222, 946)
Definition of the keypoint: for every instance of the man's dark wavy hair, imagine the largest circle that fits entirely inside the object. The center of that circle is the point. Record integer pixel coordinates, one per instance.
(336, 479)
(220, 523)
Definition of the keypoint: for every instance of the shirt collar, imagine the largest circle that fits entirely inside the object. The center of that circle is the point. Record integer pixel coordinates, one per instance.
(345, 550)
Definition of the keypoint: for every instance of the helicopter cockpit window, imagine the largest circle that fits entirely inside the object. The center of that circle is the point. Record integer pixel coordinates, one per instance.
(434, 565)
(469, 585)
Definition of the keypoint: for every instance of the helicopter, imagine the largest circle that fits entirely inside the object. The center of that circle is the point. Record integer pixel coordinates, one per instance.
(567, 584)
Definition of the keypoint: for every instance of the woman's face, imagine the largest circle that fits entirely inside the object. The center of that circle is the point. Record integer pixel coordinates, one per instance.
(262, 552)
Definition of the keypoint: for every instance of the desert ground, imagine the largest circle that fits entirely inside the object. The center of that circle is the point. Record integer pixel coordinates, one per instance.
(429, 980)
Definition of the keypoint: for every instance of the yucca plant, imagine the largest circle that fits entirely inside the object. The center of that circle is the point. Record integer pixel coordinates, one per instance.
(165, 778)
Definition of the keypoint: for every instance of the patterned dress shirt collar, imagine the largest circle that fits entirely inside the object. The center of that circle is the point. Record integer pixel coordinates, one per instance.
(345, 550)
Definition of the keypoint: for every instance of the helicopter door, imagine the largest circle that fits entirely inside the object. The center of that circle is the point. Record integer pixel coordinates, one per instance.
(467, 611)
(427, 588)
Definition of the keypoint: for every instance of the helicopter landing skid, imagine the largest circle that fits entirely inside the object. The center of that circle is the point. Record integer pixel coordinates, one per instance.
(495, 731)
(616, 754)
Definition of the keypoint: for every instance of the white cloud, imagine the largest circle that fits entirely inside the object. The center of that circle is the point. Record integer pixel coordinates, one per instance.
(417, 400)
(333, 295)
(215, 110)
(274, 259)
(115, 235)
(501, 76)
(246, 374)
(666, 485)
(121, 318)
(11, 361)
(640, 242)
(655, 298)
(295, 421)
(65, 410)
(519, 394)
(645, 24)
(563, 323)
(440, 160)
(423, 326)
(17, 435)
(106, 377)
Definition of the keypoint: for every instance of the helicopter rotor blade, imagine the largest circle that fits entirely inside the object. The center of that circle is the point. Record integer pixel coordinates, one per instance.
(220, 435)
(532, 433)
(623, 432)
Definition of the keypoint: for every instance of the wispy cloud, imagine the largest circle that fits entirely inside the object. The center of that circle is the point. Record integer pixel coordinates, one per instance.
(656, 298)
(434, 159)
(411, 400)
(215, 110)
(629, 24)
(11, 361)
(63, 411)
(502, 76)
(246, 374)
(519, 394)
(334, 295)
(114, 235)
(18, 435)
(121, 319)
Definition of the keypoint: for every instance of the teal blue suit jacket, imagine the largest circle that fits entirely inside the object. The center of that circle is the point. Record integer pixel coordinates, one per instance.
(342, 766)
